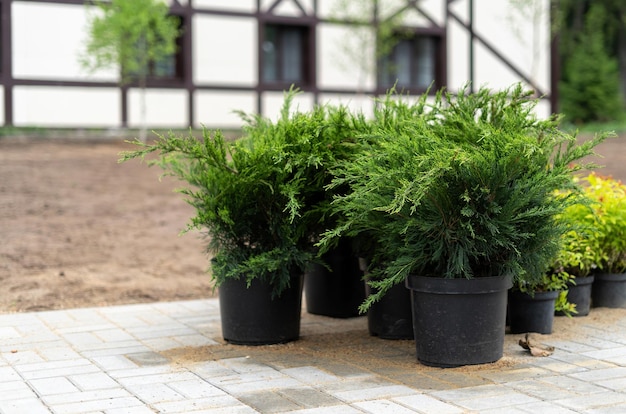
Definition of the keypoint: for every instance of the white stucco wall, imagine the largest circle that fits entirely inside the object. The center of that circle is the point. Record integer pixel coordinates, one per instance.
(225, 53)
(48, 40)
(273, 102)
(248, 6)
(66, 106)
(167, 108)
(507, 29)
(215, 109)
(225, 50)
(345, 57)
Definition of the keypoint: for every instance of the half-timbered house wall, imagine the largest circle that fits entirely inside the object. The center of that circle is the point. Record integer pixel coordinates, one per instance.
(242, 55)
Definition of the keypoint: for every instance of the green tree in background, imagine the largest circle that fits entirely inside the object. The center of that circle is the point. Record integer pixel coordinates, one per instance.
(592, 41)
(130, 35)
(590, 89)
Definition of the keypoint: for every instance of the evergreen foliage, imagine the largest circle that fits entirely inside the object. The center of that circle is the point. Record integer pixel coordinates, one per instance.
(260, 199)
(461, 187)
(590, 86)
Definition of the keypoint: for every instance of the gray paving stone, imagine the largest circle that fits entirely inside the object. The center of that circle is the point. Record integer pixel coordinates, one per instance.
(541, 390)
(8, 332)
(426, 404)
(470, 392)
(159, 331)
(153, 393)
(80, 361)
(600, 374)
(557, 366)
(23, 357)
(615, 384)
(608, 353)
(310, 375)
(8, 374)
(574, 385)
(571, 346)
(383, 407)
(337, 409)
(386, 391)
(114, 349)
(614, 409)
(268, 402)
(226, 402)
(93, 381)
(211, 369)
(506, 375)
(599, 400)
(142, 409)
(195, 388)
(156, 378)
(547, 407)
(161, 344)
(50, 386)
(97, 405)
(58, 353)
(113, 362)
(23, 405)
(194, 340)
(147, 358)
(309, 397)
(15, 390)
(85, 396)
(509, 399)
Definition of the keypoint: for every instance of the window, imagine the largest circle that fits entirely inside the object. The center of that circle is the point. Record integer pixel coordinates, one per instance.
(412, 64)
(169, 67)
(285, 54)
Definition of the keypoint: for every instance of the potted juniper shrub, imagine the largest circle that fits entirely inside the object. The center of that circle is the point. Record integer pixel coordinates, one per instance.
(333, 283)
(609, 207)
(259, 201)
(389, 316)
(462, 202)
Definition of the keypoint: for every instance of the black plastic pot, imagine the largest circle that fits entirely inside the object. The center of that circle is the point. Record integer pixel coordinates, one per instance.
(531, 313)
(580, 295)
(391, 317)
(609, 290)
(458, 321)
(251, 317)
(337, 292)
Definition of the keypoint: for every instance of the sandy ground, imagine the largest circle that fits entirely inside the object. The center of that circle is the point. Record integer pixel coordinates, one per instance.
(78, 229)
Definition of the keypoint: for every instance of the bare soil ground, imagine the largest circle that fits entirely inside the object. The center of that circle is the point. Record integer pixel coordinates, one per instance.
(78, 229)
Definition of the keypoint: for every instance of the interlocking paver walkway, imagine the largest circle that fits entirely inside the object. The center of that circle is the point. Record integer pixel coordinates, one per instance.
(170, 358)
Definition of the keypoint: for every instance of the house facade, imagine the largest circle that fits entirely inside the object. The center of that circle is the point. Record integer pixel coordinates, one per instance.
(241, 55)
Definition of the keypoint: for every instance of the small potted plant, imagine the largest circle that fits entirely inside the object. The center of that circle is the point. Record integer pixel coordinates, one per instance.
(462, 202)
(609, 221)
(532, 305)
(579, 255)
(260, 200)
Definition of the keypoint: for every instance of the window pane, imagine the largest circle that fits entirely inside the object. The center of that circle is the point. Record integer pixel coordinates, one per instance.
(292, 54)
(270, 54)
(402, 62)
(166, 67)
(425, 61)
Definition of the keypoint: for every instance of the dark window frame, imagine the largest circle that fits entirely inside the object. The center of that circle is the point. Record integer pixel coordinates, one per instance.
(306, 26)
(412, 35)
(179, 77)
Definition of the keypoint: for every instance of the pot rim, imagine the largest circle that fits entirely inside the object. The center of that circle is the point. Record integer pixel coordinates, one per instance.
(461, 286)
